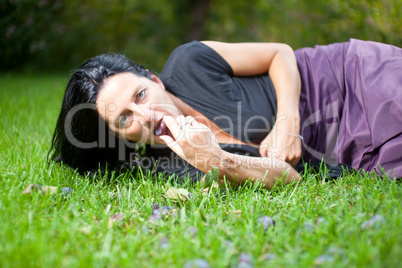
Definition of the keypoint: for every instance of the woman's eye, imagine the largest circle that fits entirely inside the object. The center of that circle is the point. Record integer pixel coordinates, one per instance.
(123, 120)
(141, 95)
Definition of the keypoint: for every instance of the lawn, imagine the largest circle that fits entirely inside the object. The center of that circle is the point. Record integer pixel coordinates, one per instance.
(114, 221)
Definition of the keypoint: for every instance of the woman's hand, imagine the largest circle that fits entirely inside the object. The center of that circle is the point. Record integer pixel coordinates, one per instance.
(280, 144)
(193, 141)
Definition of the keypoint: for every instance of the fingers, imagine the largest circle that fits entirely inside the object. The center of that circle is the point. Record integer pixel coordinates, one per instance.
(173, 126)
(180, 129)
(188, 125)
(182, 121)
(293, 162)
(292, 157)
(192, 141)
(190, 120)
(281, 146)
(173, 145)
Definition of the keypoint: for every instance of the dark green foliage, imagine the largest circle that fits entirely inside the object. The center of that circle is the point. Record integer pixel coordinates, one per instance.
(55, 34)
(306, 23)
(26, 31)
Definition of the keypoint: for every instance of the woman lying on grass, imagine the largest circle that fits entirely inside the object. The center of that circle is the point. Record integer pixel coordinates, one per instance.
(254, 110)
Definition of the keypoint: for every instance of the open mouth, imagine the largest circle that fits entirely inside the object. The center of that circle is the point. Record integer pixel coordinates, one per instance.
(161, 129)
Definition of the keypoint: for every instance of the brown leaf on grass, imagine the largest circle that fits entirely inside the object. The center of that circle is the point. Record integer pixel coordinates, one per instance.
(35, 188)
(32, 188)
(178, 194)
(49, 190)
(214, 184)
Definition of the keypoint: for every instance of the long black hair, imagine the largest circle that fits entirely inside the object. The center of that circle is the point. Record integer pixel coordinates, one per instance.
(82, 139)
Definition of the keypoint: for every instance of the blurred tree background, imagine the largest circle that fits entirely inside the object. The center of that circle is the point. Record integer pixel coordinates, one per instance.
(59, 35)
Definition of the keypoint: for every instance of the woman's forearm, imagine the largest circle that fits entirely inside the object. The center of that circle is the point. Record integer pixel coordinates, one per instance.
(240, 168)
(195, 143)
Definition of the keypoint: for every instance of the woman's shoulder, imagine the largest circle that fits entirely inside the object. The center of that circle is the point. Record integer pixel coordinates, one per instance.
(193, 47)
(182, 55)
(192, 51)
(194, 56)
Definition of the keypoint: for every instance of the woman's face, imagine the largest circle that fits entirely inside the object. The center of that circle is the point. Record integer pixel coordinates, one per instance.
(133, 106)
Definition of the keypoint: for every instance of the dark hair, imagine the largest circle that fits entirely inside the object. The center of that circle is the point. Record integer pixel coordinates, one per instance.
(82, 139)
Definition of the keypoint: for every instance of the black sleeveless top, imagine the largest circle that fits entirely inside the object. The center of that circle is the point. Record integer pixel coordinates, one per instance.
(244, 107)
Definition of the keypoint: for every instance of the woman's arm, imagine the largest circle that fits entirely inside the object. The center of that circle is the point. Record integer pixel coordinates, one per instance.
(195, 143)
(240, 168)
(247, 59)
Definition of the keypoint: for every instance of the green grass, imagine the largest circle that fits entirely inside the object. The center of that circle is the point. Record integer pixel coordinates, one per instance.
(74, 230)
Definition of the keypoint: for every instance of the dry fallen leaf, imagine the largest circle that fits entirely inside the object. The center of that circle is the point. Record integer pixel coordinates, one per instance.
(32, 188)
(178, 194)
(39, 188)
(213, 185)
(49, 190)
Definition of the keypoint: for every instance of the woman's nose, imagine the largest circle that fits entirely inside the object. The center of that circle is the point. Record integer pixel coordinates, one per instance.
(146, 115)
